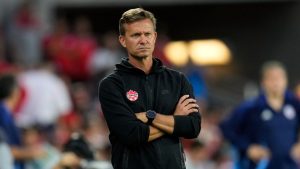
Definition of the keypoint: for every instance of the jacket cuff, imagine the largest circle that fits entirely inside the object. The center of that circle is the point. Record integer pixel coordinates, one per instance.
(179, 123)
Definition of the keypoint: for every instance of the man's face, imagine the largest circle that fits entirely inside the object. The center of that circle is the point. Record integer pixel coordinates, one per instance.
(139, 39)
(274, 81)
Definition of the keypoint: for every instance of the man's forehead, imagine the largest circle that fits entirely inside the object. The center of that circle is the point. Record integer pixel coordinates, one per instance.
(140, 25)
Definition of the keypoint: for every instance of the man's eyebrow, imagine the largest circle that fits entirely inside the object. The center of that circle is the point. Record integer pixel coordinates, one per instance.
(135, 34)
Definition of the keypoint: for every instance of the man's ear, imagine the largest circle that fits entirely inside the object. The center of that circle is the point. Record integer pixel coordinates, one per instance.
(122, 40)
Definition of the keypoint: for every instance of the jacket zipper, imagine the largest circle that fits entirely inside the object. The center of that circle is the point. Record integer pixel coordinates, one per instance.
(148, 93)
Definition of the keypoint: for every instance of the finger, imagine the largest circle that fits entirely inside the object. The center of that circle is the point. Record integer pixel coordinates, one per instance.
(190, 106)
(188, 101)
(192, 110)
(183, 98)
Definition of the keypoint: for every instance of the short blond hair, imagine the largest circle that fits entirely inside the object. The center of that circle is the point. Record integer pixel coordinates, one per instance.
(133, 15)
(271, 65)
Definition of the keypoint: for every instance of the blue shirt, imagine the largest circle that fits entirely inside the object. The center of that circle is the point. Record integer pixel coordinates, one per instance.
(10, 130)
(255, 122)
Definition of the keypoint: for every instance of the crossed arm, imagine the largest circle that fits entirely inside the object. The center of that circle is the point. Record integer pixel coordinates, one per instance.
(130, 128)
(164, 124)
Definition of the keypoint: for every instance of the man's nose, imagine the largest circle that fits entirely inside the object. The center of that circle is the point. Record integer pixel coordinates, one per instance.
(143, 39)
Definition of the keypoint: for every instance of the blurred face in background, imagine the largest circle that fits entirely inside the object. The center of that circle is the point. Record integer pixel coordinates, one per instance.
(274, 81)
(297, 91)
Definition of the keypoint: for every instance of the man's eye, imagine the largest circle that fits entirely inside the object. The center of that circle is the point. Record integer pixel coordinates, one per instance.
(135, 35)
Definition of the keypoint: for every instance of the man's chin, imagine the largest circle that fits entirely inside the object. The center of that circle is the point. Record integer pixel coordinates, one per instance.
(140, 57)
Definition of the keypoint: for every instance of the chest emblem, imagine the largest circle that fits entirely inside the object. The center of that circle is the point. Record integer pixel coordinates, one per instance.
(132, 95)
(266, 115)
(289, 112)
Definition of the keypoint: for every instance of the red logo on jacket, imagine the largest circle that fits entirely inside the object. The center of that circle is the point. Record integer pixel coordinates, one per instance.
(132, 95)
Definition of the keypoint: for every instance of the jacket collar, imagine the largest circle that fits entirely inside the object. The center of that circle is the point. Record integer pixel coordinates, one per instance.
(125, 66)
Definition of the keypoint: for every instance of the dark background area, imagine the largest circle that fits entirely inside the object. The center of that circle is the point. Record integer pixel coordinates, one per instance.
(255, 32)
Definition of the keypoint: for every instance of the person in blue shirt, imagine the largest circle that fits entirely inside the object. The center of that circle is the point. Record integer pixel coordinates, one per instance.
(9, 95)
(264, 131)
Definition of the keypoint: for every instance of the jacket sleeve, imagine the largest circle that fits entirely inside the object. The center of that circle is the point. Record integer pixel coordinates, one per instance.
(232, 128)
(187, 126)
(120, 119)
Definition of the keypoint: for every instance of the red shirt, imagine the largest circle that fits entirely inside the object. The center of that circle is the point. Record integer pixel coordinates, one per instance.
(70, 54)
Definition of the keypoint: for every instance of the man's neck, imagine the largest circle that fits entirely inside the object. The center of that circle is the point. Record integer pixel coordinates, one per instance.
(8, 104)
(275, 101)
(145, 64)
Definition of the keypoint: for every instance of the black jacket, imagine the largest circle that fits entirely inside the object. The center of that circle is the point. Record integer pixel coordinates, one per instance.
(129, 90)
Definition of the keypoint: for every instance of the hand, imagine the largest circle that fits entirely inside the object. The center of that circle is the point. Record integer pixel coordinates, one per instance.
(257, 152)
(295, 152)
(37, 152)
(142, 116)
(186, 106)
(68, 160)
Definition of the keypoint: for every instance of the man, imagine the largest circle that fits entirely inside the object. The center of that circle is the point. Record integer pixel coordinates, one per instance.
(45, 99)
(9, 95)
(265, 130)
(147, 106)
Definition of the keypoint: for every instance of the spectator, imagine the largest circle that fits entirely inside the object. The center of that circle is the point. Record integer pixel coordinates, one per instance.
(60, 47)
(26, 35)
(33, 137)
(297, 90)
(9, 95)
(46, 99)
(197, 158)
(108, 54)
(86, 45)
(76, 153)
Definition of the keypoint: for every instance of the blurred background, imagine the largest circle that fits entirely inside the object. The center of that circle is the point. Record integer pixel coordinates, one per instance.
(59, 50)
